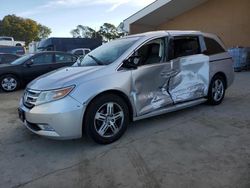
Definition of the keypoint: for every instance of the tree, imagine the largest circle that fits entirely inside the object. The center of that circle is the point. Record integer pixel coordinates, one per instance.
(1, 26)
(23, 29)
(43, 32)
(109, 32)
(83, 32)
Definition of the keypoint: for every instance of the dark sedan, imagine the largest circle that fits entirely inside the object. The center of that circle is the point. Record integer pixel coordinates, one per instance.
(7, 58)
(26, 68)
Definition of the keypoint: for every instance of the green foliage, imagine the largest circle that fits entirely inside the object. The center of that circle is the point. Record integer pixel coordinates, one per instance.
(107, 32)
(83, 32)
(23, 29)
(43, 32)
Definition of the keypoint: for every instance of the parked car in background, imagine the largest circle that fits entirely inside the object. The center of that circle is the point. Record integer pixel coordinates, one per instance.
(26, 68)
(9, 41)
(18, 50)
(68, 44)
(128, 79)
(6, 58)
(80, 52)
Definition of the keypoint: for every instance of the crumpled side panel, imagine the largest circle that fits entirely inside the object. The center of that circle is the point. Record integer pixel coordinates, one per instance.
(150, 88)
(151, 101)
(191, 80)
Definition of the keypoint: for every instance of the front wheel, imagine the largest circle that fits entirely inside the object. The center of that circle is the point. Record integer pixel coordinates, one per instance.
(217, 90)
(9, 83)
(106, 119)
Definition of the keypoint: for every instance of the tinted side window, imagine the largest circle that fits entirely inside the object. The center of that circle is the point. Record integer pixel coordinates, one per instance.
(213, 47)
(6, 38)
(185, 46)
(78, 52)
(43, 59)
(151, 52)
(86, 51)
(10, 58)
(65, 58)
(1, 59)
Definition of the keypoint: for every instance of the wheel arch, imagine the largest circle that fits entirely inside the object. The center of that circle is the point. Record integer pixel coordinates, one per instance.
(15, 75)
(114, 92)
(222, 75)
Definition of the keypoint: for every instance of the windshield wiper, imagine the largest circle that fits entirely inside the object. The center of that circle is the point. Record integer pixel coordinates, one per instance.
(96, 60)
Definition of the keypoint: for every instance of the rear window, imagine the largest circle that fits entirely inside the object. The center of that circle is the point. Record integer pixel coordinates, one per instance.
(213, 47)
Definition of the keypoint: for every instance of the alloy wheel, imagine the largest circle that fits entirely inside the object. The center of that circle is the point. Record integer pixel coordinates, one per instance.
(218, 90)
(9, 83)
(109, 119)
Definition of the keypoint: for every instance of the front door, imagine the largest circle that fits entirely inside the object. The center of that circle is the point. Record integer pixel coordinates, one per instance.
(150, 79)
(40, 65)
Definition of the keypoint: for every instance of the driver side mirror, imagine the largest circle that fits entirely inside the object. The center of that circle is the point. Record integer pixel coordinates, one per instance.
(30, 62)
(132, 62)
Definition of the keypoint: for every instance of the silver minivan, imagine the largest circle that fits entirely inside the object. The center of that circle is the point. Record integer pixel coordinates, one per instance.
(132, 78)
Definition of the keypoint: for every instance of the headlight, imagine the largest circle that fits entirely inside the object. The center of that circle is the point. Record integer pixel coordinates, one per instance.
(52, 95)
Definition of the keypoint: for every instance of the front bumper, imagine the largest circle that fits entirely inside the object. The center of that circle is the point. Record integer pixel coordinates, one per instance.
(61, 119)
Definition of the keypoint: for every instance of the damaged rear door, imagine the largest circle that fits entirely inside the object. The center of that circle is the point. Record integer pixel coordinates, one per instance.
(150, 79)
(191, 67)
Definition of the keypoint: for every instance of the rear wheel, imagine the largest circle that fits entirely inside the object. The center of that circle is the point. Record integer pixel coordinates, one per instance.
(9, 83)
(106, 119)
(217, 90)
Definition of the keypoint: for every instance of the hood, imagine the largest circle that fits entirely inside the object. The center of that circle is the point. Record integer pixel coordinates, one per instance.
(5, 65)
(63, 77)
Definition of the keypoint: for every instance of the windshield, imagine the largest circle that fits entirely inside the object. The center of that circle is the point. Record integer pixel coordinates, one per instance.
(21, 59)
(107, 53)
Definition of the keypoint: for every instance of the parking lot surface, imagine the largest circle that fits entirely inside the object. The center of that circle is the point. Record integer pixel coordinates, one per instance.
(204, 146)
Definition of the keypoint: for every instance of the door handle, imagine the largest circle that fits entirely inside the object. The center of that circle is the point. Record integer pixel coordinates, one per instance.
(168, 74)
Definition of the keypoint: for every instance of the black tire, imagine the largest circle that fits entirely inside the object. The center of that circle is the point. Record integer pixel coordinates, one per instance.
(92, 123)
(219, 91)
(12, 78)
(18, 44)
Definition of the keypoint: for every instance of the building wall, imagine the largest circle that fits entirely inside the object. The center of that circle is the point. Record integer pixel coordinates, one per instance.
(229, 19)
(138, 28)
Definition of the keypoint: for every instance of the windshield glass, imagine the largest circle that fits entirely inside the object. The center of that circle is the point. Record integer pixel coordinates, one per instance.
(107, 53)
(21, 59)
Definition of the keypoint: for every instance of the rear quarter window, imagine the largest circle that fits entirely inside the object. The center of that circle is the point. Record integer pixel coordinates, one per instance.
(213, 47)
(78, 52)
(65, 58)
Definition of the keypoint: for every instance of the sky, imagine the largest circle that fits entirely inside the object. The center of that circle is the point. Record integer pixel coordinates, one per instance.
(64, 15)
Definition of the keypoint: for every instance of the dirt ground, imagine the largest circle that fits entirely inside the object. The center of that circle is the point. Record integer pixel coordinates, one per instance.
(200, 147)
